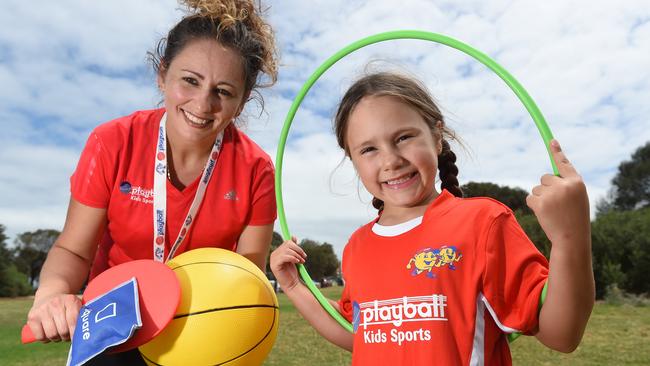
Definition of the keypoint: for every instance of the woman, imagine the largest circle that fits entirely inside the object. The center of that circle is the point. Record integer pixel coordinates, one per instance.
(207, 183)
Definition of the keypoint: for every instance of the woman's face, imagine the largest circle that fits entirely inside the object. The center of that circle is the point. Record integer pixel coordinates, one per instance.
(393, 151)
(203, 90)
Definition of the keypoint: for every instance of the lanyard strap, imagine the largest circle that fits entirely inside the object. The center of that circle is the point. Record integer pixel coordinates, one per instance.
(160, 194)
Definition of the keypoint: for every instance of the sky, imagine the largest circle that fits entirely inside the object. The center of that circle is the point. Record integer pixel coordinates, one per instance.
(70, 65)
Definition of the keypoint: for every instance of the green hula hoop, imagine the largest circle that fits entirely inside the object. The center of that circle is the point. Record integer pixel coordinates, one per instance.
(521, 93)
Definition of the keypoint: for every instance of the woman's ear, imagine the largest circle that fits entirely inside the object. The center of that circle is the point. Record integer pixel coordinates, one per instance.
(160, 79)
(243, 103)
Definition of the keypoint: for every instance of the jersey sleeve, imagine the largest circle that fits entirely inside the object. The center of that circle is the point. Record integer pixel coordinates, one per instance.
(345, 305)
(263, 210)
(91, 182)
(515, 273)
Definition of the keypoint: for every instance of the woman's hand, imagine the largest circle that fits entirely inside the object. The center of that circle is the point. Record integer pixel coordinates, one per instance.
(53, 315)
(283, 263)
(561, 203)
(54, 318)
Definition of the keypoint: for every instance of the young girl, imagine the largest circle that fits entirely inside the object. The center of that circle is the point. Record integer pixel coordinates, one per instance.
(435, 278)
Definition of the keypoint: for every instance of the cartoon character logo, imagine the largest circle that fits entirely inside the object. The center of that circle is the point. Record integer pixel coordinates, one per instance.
(427, 259)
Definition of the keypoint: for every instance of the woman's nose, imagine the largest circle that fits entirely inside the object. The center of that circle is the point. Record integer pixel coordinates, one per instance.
(208, 102)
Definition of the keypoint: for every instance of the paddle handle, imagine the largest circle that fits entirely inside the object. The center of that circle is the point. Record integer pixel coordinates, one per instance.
(26, 335)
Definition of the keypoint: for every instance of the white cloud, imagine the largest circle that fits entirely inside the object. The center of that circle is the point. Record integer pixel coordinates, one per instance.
(74, 64)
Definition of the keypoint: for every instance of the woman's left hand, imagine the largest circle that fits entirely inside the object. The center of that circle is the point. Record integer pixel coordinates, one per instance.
(560, 202)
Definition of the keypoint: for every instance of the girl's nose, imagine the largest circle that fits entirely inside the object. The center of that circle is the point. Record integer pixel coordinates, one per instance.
(392, 160)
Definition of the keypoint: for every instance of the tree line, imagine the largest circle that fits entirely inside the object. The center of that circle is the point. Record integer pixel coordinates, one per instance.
(620, 236)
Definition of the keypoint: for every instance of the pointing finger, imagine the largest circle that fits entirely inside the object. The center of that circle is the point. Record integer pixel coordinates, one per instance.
(564, 166)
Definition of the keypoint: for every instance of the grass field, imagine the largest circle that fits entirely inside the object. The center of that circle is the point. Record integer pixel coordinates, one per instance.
(616, 335)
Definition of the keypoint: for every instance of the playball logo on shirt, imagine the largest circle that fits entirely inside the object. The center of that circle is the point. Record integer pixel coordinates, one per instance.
(380, 320)
(137, 193)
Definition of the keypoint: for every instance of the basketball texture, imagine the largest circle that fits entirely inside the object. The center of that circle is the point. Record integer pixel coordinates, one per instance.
(228, 313)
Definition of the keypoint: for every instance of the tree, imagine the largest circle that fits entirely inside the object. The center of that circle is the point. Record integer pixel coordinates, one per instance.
(31, 251)
(12, 282)
(631, 185)
(5, 262)
(515, 198)
(621, 251)
(321, 259)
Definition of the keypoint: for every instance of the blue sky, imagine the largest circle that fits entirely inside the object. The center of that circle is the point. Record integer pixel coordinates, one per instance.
(67, 66)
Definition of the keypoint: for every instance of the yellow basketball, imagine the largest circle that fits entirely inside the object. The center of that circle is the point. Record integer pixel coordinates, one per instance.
(228, 313)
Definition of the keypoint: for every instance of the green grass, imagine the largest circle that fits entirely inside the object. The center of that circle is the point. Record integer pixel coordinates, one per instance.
(13, 313)
(616, 335)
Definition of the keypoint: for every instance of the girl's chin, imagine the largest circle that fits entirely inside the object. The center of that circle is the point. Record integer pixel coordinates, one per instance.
(408, 202)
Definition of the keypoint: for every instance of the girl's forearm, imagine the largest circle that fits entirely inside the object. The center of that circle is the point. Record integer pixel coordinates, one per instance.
(570, 296)
(314, 313)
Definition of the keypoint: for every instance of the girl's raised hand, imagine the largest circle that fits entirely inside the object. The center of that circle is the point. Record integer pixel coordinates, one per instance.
(283, 263)
(560, 202)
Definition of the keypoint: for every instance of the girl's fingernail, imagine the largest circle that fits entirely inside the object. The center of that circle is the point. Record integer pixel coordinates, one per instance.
(555, 144)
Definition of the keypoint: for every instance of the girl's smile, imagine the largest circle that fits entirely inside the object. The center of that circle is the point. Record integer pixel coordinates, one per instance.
(401, 182)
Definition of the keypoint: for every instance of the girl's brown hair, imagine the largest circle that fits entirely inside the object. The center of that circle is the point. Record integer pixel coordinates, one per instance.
(415, 94)
(233, 23)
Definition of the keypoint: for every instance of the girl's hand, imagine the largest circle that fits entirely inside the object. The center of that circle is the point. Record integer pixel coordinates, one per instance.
(283, 263)
(561, 203)
(54, 318)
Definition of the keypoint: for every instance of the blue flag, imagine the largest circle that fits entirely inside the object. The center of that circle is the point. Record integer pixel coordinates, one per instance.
(106, 321)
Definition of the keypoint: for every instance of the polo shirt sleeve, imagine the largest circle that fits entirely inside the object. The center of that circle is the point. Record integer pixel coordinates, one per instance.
(515, 273)
(90, 184)
(263, 210)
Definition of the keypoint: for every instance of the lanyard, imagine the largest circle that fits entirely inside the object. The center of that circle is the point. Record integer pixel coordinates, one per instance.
(160, 194)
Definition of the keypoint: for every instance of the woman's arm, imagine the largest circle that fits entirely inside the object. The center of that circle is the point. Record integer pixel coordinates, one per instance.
(562, 208)
(54, 313)
(254, 243)
(283, 265)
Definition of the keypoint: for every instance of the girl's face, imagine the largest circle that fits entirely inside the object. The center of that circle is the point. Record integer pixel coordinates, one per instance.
(393, 151)
(203, 89)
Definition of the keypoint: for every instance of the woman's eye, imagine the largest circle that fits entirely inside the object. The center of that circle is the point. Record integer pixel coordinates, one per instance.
(190, 80)
(224, 92)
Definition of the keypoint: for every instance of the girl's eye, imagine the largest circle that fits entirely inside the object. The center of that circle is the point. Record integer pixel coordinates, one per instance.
(366, 150)
(403, 138)
(191, 81)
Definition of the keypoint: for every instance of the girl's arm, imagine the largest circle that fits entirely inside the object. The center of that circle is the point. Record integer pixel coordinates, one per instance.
(562, 208)
(254, 243)
(53, 315)
(283, 265)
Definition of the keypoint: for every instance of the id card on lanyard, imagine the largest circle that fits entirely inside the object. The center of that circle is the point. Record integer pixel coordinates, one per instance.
(160, 193)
